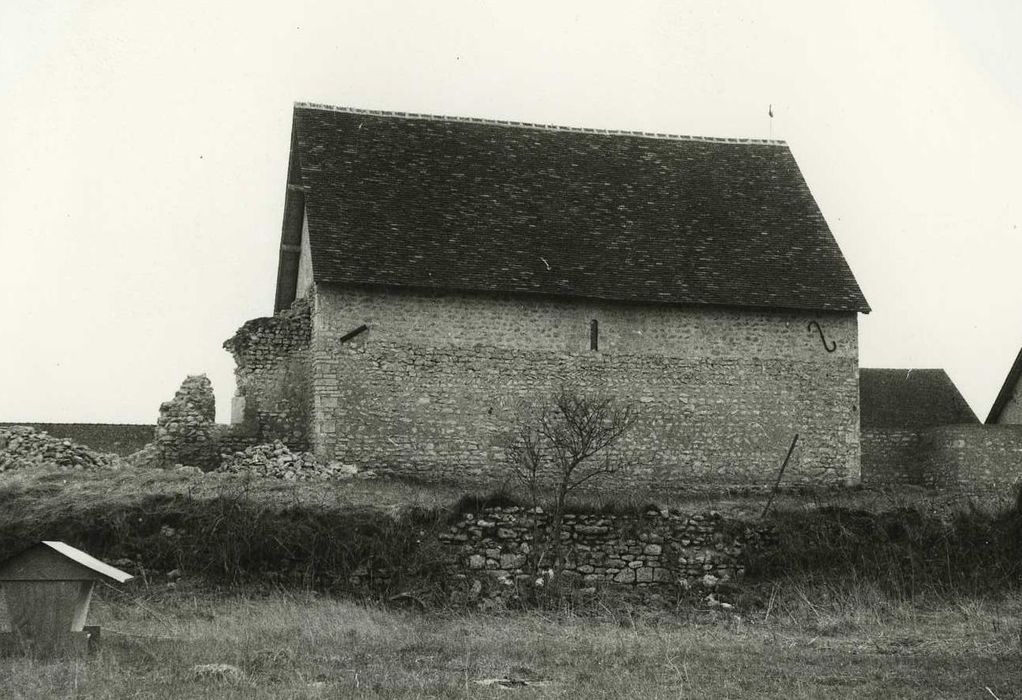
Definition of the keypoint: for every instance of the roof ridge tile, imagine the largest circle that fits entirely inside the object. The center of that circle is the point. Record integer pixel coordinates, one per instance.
(538, 126)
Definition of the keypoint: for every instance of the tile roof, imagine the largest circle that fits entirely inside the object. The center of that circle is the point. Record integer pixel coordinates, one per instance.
(910, 398)
(463, 204)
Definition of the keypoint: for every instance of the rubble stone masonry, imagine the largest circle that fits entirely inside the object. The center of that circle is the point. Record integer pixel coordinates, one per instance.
(890, 456)
(272, 373)
(437, 383)
(978, 460)
(185, 429)
(644, 549)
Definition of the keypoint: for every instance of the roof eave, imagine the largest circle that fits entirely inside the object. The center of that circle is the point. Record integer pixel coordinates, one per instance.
(448, 289)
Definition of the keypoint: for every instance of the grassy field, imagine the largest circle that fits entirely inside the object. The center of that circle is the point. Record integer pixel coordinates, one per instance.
(905, 605)
(806, 644)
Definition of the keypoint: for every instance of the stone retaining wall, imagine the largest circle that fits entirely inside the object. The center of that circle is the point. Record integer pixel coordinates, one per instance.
(502, 545)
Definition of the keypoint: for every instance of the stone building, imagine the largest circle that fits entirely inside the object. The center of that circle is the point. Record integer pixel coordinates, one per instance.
(900, 409)
(1007, 407)
(918, 430)
(440, 276)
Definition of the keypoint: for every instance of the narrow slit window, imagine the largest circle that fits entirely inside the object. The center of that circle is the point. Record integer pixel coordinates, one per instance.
(594, 335)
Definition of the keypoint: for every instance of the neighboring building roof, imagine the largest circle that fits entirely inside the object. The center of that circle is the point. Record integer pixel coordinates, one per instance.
(463, 204)
(57, 561)
(910, 398)
(1007, 392)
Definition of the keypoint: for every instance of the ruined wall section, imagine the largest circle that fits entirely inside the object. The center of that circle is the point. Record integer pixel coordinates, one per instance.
(186, 431)
(272, 371)
(437, 383)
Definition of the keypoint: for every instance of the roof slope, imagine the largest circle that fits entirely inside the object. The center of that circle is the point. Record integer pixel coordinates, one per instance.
(1007, 392)
(57, 561)
(910, 398)
(447, 203)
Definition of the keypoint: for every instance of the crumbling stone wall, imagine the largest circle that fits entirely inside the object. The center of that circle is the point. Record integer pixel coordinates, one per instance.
(185, 429)
(437, 382)
(653, 548)
(272, 373)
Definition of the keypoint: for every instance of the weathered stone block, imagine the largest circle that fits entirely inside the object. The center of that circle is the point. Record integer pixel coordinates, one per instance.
(625, 576)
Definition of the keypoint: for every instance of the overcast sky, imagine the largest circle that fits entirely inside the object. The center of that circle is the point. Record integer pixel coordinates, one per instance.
(143, 154)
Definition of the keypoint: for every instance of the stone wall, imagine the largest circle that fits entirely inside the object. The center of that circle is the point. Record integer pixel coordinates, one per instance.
(978, 460)
(272, 374)
(437, 383)
(113, 438)
(185, 429)
(983, 461)
(890, 456)
(501, 545)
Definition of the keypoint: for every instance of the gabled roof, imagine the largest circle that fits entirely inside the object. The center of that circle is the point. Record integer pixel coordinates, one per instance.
(57, 561)
(1007, 392)
(910, 398)
(446, 203)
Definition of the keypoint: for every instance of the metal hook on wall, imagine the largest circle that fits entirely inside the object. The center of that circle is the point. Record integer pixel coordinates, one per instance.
(833, 344)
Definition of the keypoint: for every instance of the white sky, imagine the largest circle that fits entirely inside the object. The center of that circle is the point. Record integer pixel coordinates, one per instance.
(143, 154)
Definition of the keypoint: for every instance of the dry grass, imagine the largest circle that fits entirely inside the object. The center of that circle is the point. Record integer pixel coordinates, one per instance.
(53, 487)
(806, 645)
(50, 488)
(839, 637)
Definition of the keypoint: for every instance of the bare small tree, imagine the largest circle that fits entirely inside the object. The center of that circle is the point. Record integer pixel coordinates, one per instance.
(567, 446)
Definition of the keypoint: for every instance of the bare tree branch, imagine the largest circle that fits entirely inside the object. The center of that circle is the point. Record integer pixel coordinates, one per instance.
(556, 454)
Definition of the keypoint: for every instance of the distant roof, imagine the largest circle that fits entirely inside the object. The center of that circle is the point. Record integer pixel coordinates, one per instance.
(910, 398)
(429, 202)
(1007, 391)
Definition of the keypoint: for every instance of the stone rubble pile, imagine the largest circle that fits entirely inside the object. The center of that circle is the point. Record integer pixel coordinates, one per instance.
(22, 447)
(185, 429)
(275, 460)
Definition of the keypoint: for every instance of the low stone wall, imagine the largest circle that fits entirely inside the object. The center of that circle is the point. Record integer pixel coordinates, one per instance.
(112, 438)
(978, 460)
(890, 456)
(496, 545)
(983, 461)
(272, 373)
